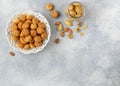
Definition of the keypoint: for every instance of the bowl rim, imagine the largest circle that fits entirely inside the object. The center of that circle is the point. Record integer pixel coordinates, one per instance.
(37, 48)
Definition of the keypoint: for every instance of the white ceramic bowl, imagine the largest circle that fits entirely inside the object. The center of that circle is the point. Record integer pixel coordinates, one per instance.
(37, 49)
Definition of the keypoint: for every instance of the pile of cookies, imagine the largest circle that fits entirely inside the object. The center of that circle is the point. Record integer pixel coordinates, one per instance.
(28, 32)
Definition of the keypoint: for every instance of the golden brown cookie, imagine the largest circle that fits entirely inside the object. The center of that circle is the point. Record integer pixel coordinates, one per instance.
(33, 26)
(14, 38)
(40, 30)
(44, 35)
(41, 25)
(14, 27)
(16, 21)
(37, 39)
(19, 44)
(21, 34)
(16, 33)
(22, 40)
(22, 17)
(20, 25)
(37, 44)
(32, 45)
(25, 32)
(35, 20)
(49, 6)
(28, 38)
(33, 33)
(54, 14)
(30, 16)
(25, 25)
(29, 21)
(26, 47)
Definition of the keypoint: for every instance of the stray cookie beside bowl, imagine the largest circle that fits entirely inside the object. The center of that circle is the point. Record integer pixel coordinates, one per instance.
(28, 32)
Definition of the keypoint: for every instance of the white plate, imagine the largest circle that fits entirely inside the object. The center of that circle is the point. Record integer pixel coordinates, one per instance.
(37, 49)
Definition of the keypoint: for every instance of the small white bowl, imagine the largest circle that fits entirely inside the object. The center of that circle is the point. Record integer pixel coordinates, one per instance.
(13, 44)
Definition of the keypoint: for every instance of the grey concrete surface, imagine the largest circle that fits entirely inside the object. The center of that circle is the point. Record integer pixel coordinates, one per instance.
(91, 60)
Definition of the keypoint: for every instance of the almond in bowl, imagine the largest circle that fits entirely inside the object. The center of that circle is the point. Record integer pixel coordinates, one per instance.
(28, 32)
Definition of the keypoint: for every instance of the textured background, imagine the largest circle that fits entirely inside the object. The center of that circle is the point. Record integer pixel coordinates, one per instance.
(91, 60)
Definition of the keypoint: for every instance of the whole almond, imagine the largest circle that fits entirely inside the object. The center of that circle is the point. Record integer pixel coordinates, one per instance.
(68, 23)
(60, 27)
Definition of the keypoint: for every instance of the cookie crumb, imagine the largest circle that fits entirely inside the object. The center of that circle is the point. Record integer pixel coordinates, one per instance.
(12, 53)
(62, 34)
(77, 30)
(81, 34)
(57, 23)
(57, 41)
(79, 24)
(70, 36)
(66, 29)
(85, 27)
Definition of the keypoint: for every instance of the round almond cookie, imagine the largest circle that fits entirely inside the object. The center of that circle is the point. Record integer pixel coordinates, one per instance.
(37, 39)
(40, 30)
(33, 26)
(33, 33)
(37, 44)
(54, 14)
(22, 17)
(49, 6)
